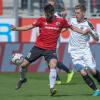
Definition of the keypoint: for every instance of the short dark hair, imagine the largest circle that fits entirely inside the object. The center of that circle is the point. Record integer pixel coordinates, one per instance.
(49, 8)
(52, 0)
(82, 7)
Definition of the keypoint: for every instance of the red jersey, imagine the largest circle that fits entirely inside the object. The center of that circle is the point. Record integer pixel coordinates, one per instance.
(49, 32)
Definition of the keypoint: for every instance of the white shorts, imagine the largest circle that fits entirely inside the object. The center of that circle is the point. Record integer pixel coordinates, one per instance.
(83, 57)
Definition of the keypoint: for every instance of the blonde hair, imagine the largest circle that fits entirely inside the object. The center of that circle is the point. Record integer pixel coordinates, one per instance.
(82, 7)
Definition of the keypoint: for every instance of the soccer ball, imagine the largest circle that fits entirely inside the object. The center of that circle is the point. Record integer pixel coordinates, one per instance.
(17, 58)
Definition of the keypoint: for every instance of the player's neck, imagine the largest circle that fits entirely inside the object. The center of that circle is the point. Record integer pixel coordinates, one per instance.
(51, 19)
(80, 20)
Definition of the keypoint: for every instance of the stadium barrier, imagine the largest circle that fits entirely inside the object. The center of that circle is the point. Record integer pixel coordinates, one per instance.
(7, 49)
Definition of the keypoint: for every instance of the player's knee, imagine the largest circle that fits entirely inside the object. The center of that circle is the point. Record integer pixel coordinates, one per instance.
(93, 71)
(78, 67)
(83, 72)
(25, 63)
(53, 63)
(81, 69)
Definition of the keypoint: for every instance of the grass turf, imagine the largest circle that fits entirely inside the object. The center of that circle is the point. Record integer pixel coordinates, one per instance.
(37, 88)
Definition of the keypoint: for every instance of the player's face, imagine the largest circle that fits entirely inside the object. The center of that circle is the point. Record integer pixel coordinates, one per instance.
(49, 15)
(79, 15)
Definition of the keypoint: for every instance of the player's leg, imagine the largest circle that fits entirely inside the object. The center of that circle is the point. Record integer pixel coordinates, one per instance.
(58, 81)
(77, 58)
(92, 65)
(61, 66)
(88, 80)
(23, 70)
(52, 76)
(96, 75)
(90, 62)
(51, 58)
(33, 55)
(70, 74)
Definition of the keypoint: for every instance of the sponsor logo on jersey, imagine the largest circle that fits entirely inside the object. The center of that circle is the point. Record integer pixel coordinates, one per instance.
(52, 28)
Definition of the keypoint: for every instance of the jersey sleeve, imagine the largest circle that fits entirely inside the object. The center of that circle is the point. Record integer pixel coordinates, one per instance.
(37, 22)
(91, 25)
(66, 24)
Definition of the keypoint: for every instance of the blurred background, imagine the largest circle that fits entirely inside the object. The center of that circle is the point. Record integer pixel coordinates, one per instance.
(33, 8)
(24, 12)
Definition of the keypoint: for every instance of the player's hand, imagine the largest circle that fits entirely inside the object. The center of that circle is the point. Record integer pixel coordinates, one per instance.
(13, 27)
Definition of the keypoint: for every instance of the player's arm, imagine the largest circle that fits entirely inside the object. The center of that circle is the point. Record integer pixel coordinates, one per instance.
(73, 28)
(36, 23)
(93, 32)
(94, 35)
(79, 30)
(23, 28)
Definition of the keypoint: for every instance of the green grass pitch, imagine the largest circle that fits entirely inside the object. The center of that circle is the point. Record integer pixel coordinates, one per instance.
(37, 88)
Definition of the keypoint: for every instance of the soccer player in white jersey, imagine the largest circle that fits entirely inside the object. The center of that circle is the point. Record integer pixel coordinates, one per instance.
(79, 48)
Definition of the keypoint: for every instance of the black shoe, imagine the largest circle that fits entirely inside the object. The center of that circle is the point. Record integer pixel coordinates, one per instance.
(52, 92)
(20, 83)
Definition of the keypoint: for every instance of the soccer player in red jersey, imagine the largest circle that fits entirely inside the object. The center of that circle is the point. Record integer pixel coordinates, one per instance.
(50, 27)
(61, 12)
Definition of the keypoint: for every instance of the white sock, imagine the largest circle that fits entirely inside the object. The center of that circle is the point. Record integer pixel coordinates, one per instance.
(52, 77)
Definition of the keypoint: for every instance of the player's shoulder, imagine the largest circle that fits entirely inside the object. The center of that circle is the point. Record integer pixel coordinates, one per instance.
(42, 18)
(72, 19)
(90, 24)
(61, 19)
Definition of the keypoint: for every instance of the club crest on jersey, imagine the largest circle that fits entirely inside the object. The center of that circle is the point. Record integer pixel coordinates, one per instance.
(81, 28)
(58, 23)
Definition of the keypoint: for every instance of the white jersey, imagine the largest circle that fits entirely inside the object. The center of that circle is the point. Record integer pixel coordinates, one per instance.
(79, 45)
(77, 40)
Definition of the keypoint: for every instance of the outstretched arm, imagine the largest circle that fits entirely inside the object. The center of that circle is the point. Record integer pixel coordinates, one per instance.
(23, 28)
(79, 30)
(94, 35)
(93, 32)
